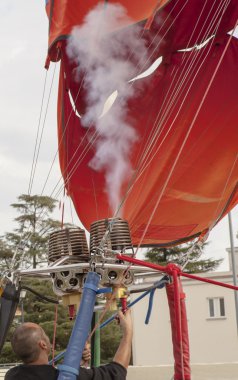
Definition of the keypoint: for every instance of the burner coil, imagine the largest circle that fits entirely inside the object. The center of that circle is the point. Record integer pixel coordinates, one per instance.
(67, 242)
(118, 237)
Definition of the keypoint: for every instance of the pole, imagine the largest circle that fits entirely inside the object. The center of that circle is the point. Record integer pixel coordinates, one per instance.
(22, 311)
(97, 353)
(92, 364)
(234, 271)
(95, 341)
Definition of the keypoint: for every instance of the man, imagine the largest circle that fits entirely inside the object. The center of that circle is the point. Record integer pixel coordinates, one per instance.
(32, 346)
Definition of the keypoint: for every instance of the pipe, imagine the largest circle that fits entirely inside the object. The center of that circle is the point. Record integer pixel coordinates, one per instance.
(234, 270)
(71, 365)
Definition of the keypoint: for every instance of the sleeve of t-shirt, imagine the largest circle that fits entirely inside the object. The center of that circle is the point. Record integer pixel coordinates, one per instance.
(111, 371)
(7, 376)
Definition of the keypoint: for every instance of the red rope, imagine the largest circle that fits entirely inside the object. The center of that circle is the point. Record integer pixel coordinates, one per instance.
(209, 281)
(54, 335)
(62, 217)
(172, 267)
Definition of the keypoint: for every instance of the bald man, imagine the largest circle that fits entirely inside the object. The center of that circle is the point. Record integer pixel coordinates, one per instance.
(31, 344)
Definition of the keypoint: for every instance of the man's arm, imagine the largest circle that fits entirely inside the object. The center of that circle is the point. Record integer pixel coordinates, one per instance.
(123, 354)
(118, 368)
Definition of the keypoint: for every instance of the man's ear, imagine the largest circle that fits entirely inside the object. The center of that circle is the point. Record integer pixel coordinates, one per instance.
(43, 344)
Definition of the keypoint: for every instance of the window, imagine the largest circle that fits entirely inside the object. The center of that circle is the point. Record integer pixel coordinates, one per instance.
(216, 307)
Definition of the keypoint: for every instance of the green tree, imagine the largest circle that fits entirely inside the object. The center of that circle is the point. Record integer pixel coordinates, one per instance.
(196, 263)
(110, 338)
(44, 313)
(33, 228)
(6, 254)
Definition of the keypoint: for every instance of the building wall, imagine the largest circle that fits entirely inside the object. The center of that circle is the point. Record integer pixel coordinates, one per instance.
(199, 372)
(211, 340)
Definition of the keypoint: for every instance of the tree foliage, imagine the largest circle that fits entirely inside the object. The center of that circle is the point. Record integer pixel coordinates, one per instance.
(32, 232)
(110, 338)
(196, 263)
(6, 254)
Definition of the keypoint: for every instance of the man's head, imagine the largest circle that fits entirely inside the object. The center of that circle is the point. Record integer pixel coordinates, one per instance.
(30, 343)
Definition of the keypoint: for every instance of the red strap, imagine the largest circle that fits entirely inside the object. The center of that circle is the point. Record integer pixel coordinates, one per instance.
(54, 335)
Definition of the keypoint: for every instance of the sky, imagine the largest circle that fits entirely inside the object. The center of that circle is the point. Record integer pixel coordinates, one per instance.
(23, 41)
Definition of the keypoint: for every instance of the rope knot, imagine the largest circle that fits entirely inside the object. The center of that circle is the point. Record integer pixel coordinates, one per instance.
(170, 268)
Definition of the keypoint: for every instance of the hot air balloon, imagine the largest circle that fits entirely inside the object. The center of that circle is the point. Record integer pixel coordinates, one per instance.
(163, 157)
(147, 131)
(182, 162)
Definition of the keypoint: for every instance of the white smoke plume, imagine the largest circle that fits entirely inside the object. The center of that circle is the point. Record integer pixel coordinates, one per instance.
(108, 59)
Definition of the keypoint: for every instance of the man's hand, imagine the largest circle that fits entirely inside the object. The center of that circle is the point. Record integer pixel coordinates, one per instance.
(86, 356)
(125, 322)
(123, 353)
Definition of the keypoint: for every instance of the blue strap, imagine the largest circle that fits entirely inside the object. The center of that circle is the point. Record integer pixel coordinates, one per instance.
(151, 299)
(158, 285)
(161, 283)
(91, 286)
(104, 290)
(66, 368)
(97, 290)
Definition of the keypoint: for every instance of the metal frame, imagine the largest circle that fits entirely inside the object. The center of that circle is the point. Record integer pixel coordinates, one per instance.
(84, 267)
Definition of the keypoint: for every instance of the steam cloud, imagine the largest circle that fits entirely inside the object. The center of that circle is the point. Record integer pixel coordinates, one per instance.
(108, 60)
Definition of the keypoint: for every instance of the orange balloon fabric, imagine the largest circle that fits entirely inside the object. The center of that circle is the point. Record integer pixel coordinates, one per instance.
(185, 160)
(64, 15)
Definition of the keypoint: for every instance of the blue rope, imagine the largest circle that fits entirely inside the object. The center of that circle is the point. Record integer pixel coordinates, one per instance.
(157, 285)
(129, 306)
(151, 299)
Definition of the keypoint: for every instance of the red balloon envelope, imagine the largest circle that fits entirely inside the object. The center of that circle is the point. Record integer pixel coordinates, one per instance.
(185, 114)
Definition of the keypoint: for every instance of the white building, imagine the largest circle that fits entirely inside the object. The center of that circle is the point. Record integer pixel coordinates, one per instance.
(211, 322)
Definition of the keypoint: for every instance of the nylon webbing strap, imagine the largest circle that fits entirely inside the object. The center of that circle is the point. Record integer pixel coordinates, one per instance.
(98, 291)
(91, 286)
(104, 290)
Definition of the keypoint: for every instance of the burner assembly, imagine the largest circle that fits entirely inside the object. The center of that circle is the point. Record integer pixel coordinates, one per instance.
(70, 260)
(68, 246)
(108, 237)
